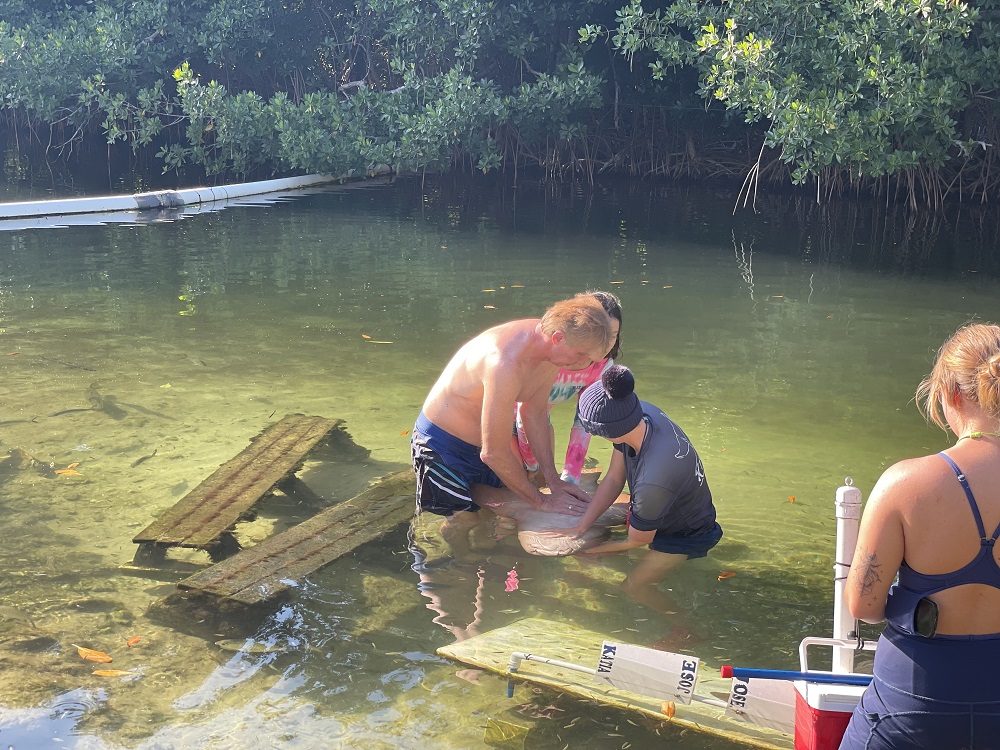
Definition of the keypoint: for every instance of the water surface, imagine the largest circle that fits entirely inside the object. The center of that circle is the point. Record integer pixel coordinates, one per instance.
(788, 358)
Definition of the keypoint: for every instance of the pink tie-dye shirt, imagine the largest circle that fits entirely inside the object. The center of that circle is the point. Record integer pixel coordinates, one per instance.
(567, 385)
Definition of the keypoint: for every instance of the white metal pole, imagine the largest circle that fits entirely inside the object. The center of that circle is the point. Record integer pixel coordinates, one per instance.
(848, 522)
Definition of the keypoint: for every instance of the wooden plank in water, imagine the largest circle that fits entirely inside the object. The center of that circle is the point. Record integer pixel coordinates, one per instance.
(569, 643)
(215, 505)
(269, 568)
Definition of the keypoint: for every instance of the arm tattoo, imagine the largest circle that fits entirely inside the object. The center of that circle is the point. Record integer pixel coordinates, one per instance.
(869, 572)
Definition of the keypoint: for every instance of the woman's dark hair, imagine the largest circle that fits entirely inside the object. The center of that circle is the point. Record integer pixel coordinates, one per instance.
(613, 307)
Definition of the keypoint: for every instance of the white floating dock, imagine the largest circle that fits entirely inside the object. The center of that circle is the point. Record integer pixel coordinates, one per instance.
(163, 199)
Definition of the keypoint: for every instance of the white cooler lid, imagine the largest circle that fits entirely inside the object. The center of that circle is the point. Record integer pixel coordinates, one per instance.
(825, 697)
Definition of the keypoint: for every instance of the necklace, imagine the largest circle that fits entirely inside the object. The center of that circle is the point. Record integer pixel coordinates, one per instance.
(977, 434)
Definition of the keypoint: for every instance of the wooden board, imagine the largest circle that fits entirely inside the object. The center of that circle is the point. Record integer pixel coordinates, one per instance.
(215, 505)
(569, 643)
(269, 568)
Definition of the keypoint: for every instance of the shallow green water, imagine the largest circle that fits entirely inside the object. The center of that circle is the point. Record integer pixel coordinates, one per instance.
(790, 368)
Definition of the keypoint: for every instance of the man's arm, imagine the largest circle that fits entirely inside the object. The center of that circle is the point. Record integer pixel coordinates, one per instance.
(535, 417)
(500, 390)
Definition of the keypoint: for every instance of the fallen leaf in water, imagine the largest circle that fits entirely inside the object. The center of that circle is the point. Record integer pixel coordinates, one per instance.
(73, 465)
(405, 432)
(91, 655)
(365, 336)
(111, 672)
(469, 675)
(12, 354)
(791, 498)
(668, 709)
(130, 642)
(727, 574)
(723, 450)
(69, 472)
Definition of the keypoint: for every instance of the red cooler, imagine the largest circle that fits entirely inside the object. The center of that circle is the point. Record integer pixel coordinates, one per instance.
(822, 713)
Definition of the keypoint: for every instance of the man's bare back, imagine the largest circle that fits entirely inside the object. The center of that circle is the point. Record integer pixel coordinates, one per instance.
(455, 402)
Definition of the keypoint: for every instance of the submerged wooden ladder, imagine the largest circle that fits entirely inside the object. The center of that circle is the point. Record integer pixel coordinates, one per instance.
(204, 518)
(278, 563)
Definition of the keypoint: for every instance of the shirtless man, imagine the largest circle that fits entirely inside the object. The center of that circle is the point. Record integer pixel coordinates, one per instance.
(461, 442)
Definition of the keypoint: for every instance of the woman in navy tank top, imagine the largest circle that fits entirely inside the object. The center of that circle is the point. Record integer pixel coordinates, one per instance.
(934, 521)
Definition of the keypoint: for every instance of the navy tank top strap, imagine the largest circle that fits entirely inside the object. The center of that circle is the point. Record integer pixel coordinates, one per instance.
(960, 475)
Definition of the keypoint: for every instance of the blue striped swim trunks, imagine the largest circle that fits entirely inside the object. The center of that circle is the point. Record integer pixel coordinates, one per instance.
(446, 468)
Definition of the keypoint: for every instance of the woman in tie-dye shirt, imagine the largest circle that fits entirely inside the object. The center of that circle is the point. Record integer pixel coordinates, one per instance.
(568, 384)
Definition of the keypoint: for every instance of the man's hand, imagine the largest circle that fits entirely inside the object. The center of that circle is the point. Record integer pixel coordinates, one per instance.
(566, 497)
(562, 501)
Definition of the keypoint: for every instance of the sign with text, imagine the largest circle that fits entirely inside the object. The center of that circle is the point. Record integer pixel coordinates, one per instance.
(766, 703)
(648, 671)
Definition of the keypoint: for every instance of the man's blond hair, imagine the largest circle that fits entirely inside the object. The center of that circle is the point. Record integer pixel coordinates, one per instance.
(584, 321)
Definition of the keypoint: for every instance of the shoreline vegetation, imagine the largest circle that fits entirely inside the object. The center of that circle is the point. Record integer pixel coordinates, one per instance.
(893, 102)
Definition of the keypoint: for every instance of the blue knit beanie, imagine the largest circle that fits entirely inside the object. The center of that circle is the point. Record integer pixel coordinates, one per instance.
(610, 408)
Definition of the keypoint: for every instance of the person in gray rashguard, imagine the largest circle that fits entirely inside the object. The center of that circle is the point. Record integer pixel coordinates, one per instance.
(670, 504)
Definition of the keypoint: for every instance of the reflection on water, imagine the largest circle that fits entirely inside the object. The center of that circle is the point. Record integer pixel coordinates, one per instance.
(146, 356)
